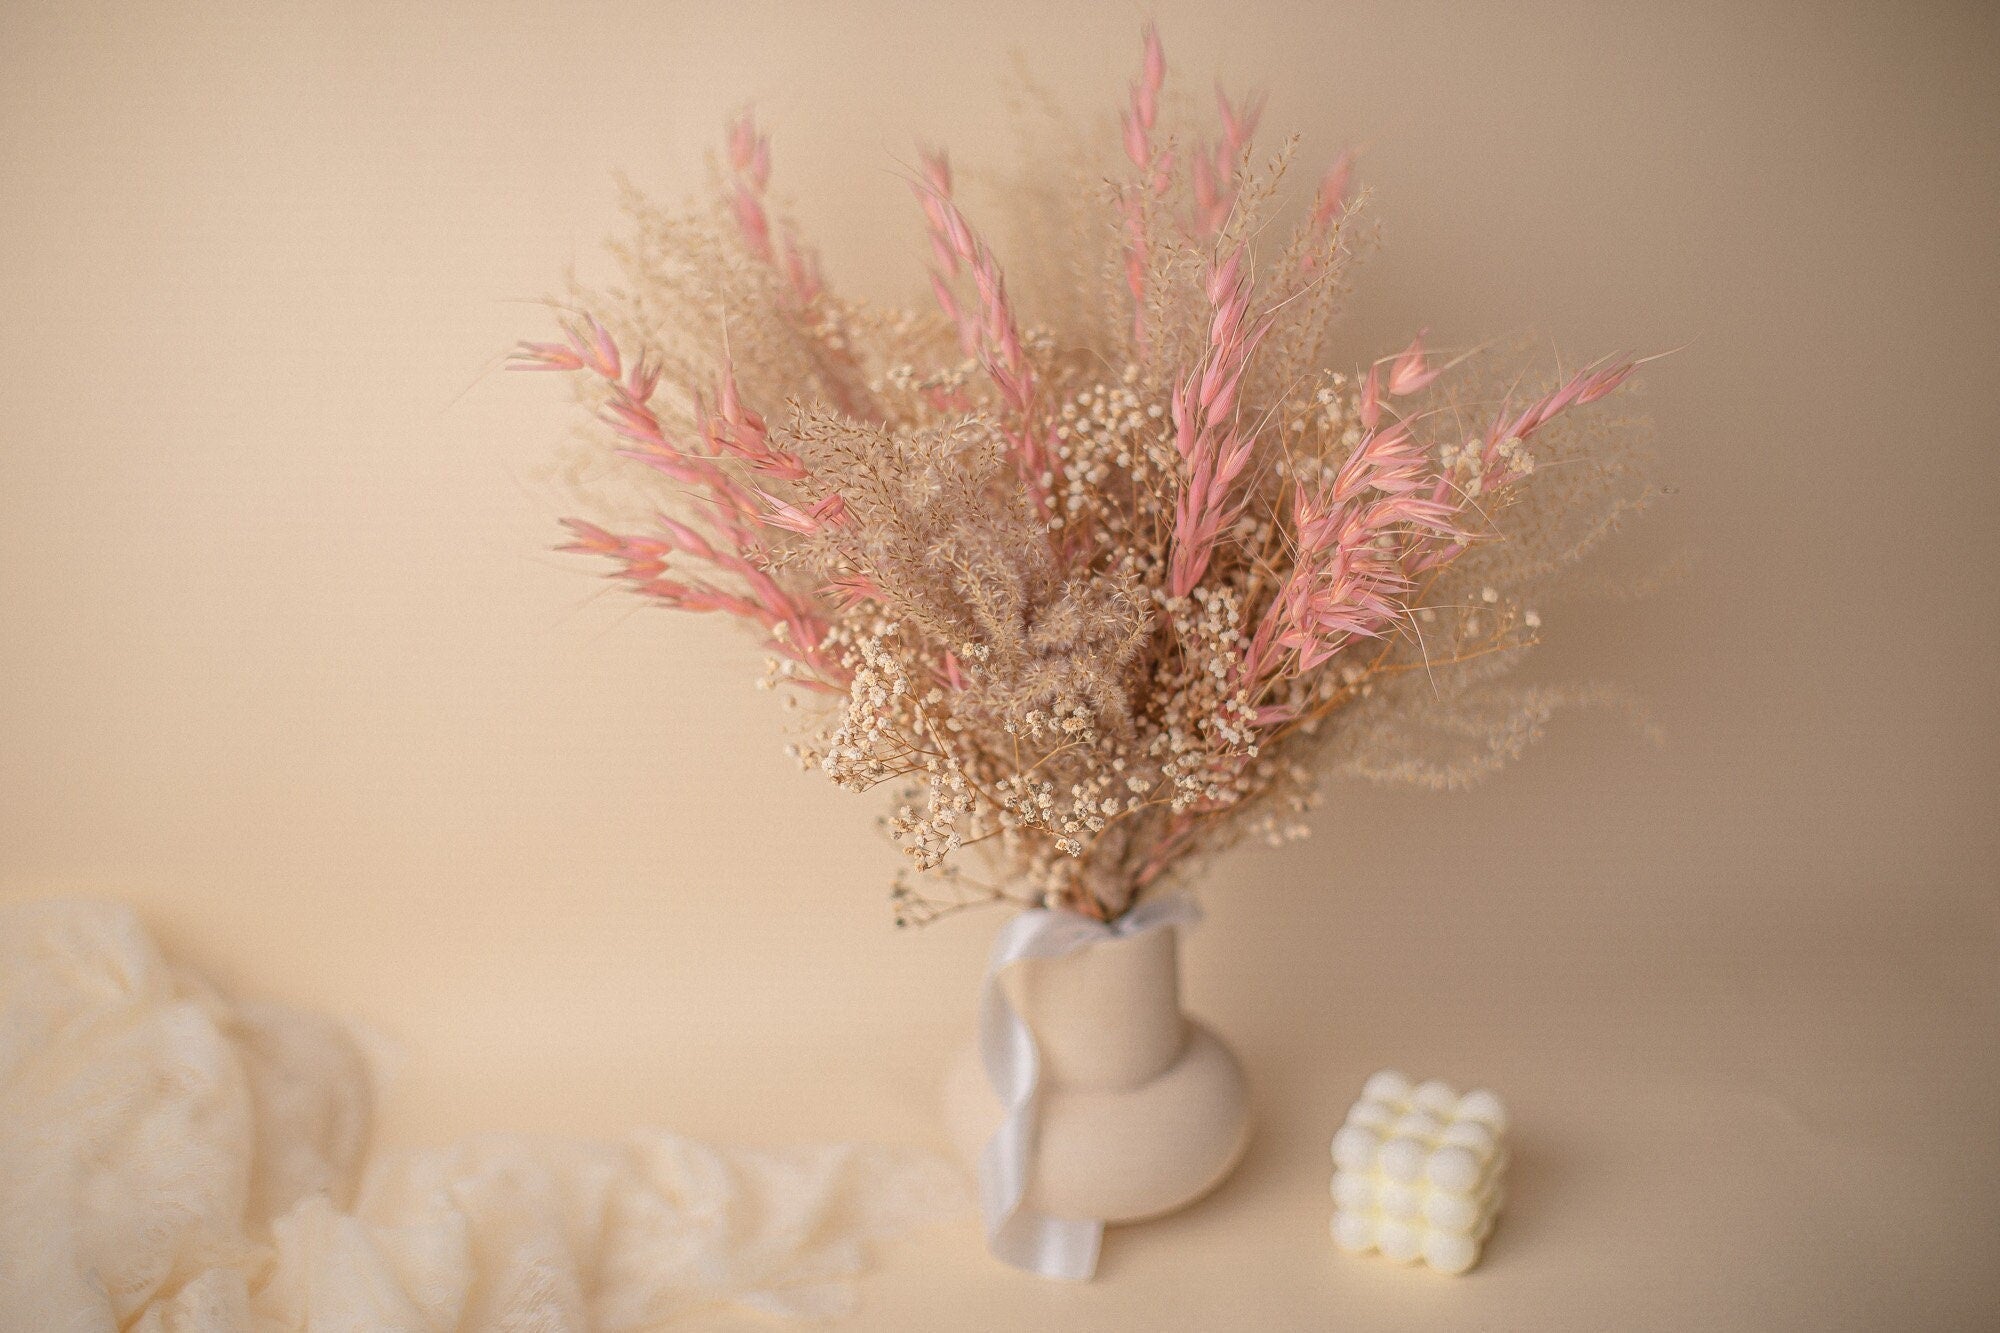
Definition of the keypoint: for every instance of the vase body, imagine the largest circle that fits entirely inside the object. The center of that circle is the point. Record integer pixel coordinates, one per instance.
(1141, 1109)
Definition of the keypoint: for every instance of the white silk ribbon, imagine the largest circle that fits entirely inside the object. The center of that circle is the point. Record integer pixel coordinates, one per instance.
(1061, 1247)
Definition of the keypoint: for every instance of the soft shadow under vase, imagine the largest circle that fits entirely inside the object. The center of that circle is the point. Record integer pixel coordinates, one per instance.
(1142, 1109)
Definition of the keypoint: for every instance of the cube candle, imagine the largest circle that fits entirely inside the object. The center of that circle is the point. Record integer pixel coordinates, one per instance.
(1417, 1172)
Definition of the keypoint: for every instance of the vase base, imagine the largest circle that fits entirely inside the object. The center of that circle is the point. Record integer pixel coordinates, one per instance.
(1120, 1154)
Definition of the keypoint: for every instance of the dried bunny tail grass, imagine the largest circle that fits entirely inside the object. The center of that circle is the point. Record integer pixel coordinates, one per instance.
(1099, 558)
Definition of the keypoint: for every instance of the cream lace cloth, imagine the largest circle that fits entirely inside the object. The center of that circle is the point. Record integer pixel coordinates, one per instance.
(171, 1161)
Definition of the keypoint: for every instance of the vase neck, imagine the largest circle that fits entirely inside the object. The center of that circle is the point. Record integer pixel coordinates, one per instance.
(1108, 1016)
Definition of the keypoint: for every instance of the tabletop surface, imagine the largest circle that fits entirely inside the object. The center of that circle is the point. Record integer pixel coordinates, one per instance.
(288, 662)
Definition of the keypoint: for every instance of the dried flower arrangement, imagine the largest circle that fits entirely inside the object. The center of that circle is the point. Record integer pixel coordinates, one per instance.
(1099, 592)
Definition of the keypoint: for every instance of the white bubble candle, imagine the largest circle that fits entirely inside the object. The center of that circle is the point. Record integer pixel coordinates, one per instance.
(1417, 1172)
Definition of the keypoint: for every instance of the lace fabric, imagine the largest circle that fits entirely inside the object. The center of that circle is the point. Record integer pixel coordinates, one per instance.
(172, 1160)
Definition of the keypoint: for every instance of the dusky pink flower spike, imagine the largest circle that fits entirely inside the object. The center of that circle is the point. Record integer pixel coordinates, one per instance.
(749, 158)
(641, 378)
(753, 222)
(544, 356)
(934, 188)
(735, 430)
(1144, 109)
(828, 513)
(1215, 171)
(1215, 453)
(1371, 398)
(1408, 374)
(631, 419)
(1155, 176)
(801, 265)
(1354, 539)
(794, 631)
(603, 350)
(1331, 199)
(750, 163)
(993, 331)
(850, 590)
(750, 151)
(1584, 387)
(1239, 122)
(1329, 207)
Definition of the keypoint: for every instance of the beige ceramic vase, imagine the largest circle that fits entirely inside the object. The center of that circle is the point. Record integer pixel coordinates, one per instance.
(1141, 1109)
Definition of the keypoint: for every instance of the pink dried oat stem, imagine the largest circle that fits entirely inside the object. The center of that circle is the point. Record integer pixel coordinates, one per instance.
(1155, 166)
(796, 629)
(1212, 444)
(991, 332)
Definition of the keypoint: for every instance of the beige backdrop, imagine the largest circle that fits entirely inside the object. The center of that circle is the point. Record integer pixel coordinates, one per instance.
(286, 662)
